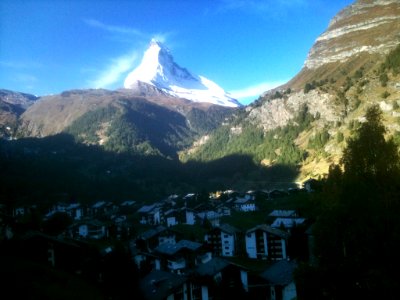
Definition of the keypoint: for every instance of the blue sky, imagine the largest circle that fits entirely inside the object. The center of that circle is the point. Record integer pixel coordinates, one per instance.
(247, 47)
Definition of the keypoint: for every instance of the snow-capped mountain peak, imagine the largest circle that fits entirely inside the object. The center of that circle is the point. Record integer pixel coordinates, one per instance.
(159, 69)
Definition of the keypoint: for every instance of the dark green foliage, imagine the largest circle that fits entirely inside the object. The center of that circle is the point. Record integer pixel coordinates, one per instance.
(85, 128)
(319, 140)
(314, 84)
(339, 137)
(383, 78)
(52, 169)
(276, 145)
(359, 73)
(130, 126)
(357, 233)
(368, 153)
(308, 87)
(277, 95)
(392, 61)
(385, 94)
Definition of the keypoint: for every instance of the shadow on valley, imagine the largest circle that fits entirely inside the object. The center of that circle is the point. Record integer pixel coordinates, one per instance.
(57, 168)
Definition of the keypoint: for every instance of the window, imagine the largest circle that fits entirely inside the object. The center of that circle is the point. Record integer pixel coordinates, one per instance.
(226, 236)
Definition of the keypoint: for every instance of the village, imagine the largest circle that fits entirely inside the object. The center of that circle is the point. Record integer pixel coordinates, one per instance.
(183, 247)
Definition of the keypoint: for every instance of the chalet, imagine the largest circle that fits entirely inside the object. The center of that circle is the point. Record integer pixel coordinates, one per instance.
(283, 213)
(152, 238)
(90, 229)
(266, 242)
(151, 214)
(279, 280)
(287, 223)
(245, 204)
(187, 216)
(127, 207)
(179, 257)
(219, 279)
(171, 217)
(223, 240)
(211, 216)
(75, 210)
(102, 208)
(160, 285)
(224, 210)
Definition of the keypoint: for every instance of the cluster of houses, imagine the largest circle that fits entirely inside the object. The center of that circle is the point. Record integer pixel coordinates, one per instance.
(173, 266)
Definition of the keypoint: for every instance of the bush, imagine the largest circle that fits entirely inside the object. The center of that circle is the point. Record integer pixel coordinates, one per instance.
(385, 94)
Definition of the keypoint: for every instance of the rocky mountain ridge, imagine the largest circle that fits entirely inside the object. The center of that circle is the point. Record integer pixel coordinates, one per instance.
(365, 26)
(158, 69)
(351, 66)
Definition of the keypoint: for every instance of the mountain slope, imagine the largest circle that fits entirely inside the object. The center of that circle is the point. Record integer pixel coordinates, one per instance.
(122, 121)
(353, 65)
(159, 69)
(12, 105)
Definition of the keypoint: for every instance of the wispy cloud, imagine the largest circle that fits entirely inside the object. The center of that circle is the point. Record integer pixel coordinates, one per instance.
(113, 29)
(255, 90)
(113, 73)
(125, 33)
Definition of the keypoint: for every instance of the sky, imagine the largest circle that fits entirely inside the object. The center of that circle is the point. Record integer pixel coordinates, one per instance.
(245, 46)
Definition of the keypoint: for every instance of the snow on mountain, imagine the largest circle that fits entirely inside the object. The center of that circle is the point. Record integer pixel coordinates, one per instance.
(159, 69)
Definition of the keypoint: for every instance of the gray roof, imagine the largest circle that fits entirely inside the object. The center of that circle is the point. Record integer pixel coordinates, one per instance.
(98, 204)
(269, 229)
(280, 273)
(171, 249)
(282, 213)
(212, 267)
(228, 229)
(128, 203)
(146, 208)
(152, 232)
(287, 222)
(158, 285)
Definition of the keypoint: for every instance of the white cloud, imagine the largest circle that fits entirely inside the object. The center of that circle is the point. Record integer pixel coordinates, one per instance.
(114, 71)
(112, 28)
(254, 91)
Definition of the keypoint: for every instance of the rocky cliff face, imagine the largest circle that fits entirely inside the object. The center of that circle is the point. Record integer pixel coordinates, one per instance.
(278, 112)
(357, 38)
(343, 75)
(367, 26)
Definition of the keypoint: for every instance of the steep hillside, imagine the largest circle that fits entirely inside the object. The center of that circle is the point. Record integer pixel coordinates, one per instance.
(12, 105)
(123, 120)
(305, 122)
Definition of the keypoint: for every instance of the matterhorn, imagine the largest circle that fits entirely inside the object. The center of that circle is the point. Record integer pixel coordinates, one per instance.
(159, 70)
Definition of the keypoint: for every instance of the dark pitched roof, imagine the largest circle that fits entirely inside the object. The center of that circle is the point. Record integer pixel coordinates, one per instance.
(282, 213)
(269, 229)
(171, 249)
(229, 229)
(152, 232)
(215, 265)
(212, 267)
(160, 284)
(280, 273)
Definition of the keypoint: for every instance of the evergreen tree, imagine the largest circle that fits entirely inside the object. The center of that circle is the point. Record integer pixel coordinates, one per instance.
(357, 235)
